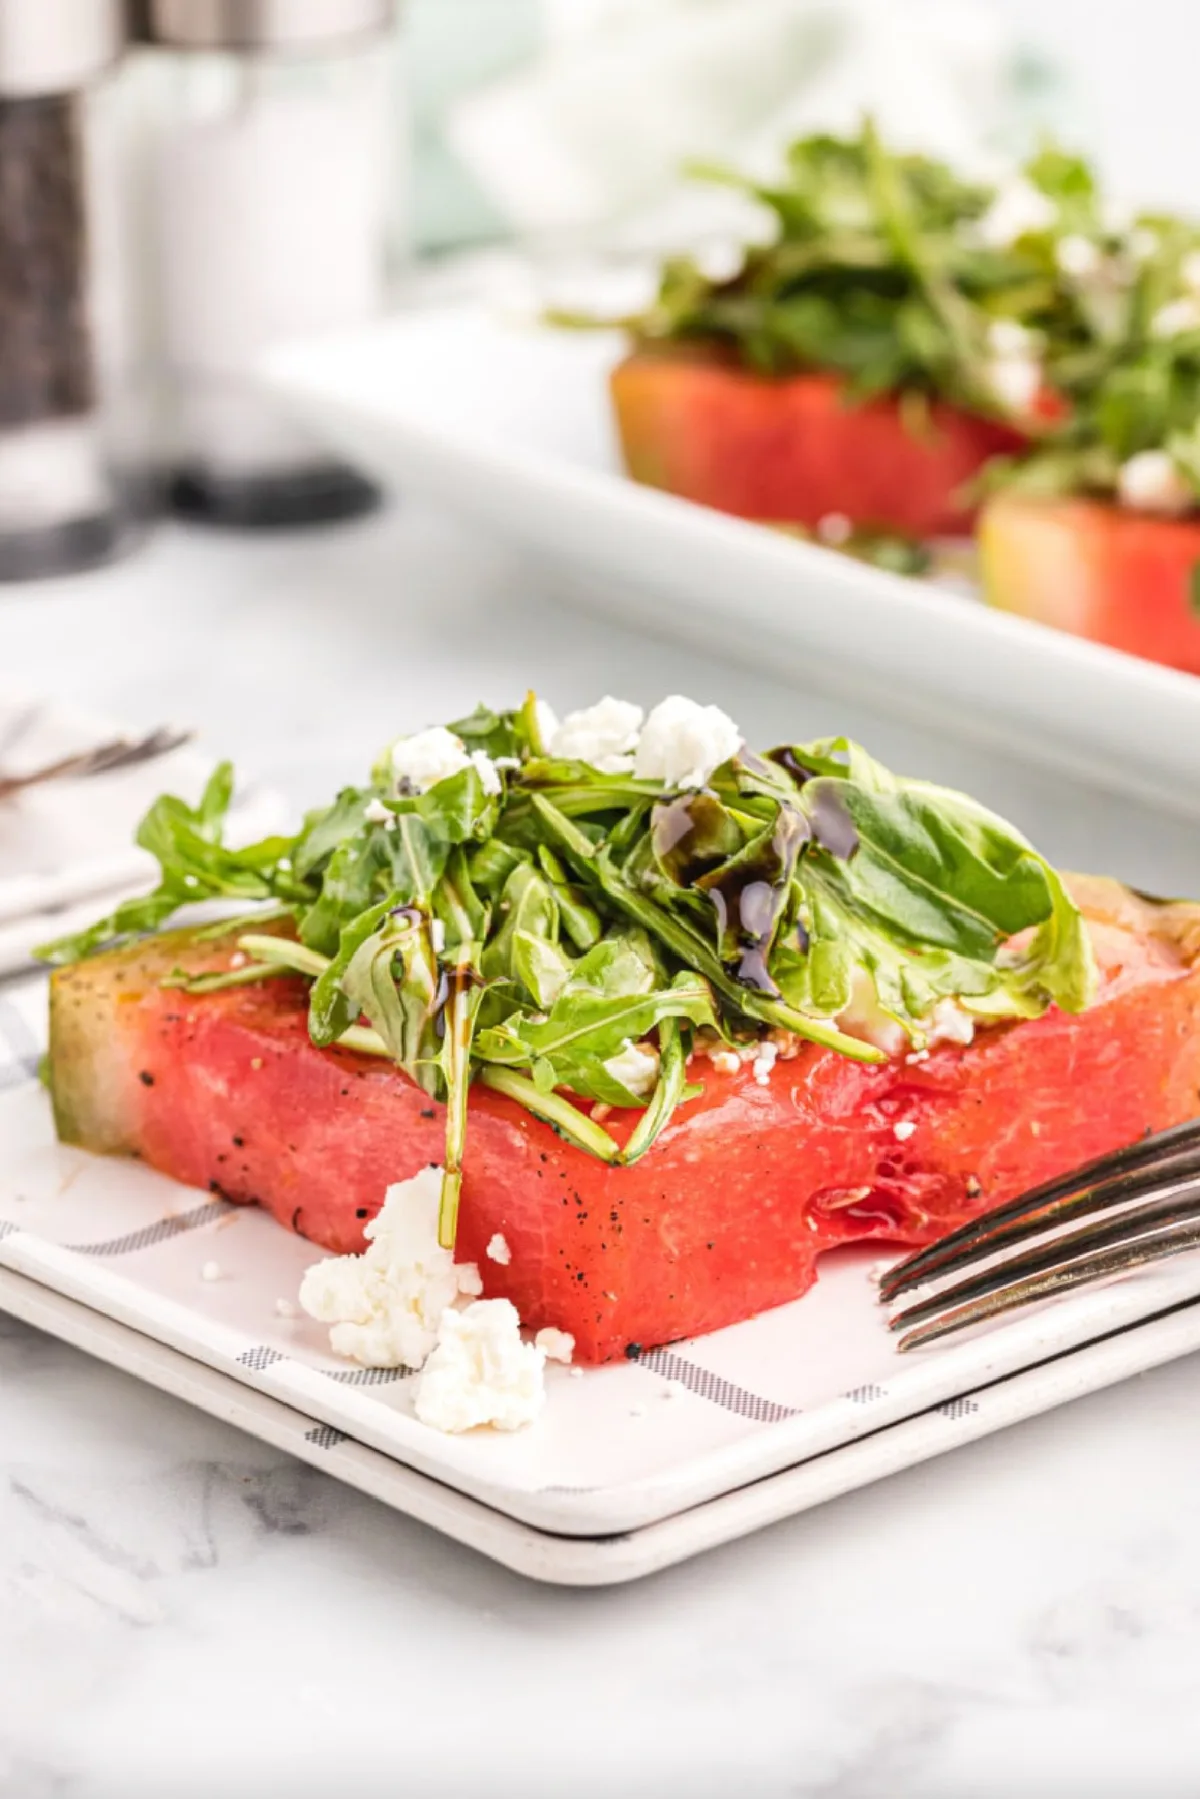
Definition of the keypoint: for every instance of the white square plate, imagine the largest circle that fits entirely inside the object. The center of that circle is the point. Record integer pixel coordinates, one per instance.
(511, 424)
(632, 1465)
(66, 848)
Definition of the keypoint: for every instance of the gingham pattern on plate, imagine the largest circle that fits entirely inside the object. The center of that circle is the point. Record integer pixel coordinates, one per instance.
(616, 1450)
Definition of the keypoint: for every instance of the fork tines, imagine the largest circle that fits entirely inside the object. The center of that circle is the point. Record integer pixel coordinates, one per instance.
(1142, 1204)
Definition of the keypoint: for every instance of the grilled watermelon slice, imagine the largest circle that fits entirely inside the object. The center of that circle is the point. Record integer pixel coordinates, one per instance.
(730, 1210)
(794, 450)
(1118, 577)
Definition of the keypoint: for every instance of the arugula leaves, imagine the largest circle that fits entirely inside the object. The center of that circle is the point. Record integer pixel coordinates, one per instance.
(569, 940)
(904, 277)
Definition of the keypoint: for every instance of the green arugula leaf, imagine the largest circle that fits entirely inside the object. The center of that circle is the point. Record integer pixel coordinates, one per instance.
(563, 940)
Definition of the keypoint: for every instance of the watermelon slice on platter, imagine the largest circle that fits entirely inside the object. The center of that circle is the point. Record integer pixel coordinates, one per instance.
(795, 449)
(1119, 577)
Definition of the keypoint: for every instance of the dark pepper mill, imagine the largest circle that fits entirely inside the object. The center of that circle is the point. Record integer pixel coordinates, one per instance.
(65, 486)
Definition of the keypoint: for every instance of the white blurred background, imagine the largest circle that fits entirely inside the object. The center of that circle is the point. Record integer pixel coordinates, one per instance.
(536, 118)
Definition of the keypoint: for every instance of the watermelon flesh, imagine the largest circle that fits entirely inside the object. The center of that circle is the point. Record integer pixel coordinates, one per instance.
(1115, 576)
(794, 450)
(729, 1212)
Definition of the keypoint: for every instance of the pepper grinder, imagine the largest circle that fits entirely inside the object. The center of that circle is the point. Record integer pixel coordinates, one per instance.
(271, 206)
(69, 465)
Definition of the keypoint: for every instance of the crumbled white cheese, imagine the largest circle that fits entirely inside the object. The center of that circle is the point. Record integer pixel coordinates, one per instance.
(498, 1250)
(385, 1306)
(437, 935)
(683, 742)
(764, 1062)
(238, 959)
(903, 1129)
(429, 757)
(1018, 209)
(211, 1271)
(507, 762)
(284, 1308)
(485, 768)
(1176, 317)
(481, 1372)
(636, 1067)
(1007, 337)
(547, 722)
(555, 1345)
(376, 813)
(835, 529)
(866, 1019)
(575, 1373)
(720, 259)
(1016, 381)
(1078, 257)
(725, 1061)
(604, 736)
(948, 1023)
(917, 1055)
(1150, 482)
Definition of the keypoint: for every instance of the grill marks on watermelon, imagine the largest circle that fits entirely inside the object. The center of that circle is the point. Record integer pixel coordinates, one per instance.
(730, 1211)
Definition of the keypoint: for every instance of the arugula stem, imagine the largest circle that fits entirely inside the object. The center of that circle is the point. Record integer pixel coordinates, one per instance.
(466, 992)
(285, 953)
(565, 1118)
(367, 1042)
(219, 979)
(669, 1090)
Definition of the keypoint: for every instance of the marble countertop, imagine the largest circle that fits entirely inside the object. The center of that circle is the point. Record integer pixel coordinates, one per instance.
(185, 1612)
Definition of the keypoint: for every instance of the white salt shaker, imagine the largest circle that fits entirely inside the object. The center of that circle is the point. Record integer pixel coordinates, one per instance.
(271, 204)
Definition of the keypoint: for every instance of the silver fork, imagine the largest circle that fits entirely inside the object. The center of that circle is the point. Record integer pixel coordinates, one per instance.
(100, 759)
(1140, 1204)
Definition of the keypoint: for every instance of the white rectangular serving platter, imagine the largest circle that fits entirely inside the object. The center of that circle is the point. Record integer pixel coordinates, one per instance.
(632, 1466)
(510, 423)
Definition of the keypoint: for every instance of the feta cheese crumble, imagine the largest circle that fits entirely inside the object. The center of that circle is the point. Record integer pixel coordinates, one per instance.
(547, 722)
(866, 1019)
(555, 1345)
(1175, 318)
(481, 1372)
(764, 1062)
(682, 743)
(485, 768)
(949, 1023)
(903, 1130)
(604, 736)
(636, 1067)
(386, 1305)
(835, 529)
(1078, 257)
(498, 1250)
(1018, 210)
(429, 757)
(376, 813)
(1016, 381)
(1150, 482)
